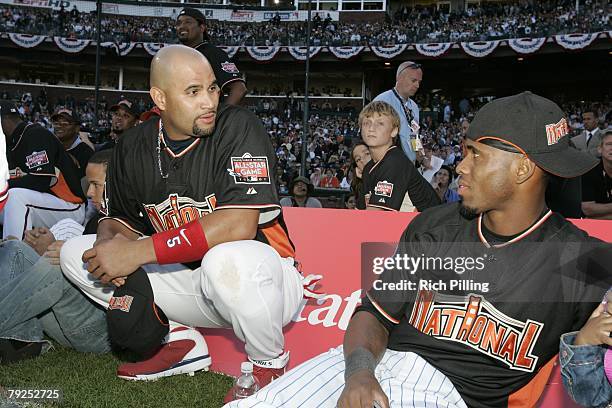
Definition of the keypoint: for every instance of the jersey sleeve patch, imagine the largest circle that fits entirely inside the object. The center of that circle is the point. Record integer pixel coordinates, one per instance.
(248, 169)
(229, 67)
(384, 189)
(37, 159)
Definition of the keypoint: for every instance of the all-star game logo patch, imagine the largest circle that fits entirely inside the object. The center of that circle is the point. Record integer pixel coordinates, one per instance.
(250, 170)
(384, 188)
(123, 303)
(37, 159)
(229, 67)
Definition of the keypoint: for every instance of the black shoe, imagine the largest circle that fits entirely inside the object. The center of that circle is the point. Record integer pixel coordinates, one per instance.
(12, 351)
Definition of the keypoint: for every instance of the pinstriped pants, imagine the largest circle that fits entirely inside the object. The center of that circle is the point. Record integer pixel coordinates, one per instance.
(406, 378)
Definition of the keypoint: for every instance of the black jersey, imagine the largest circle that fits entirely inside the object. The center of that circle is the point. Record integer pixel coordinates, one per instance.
(151, 190)
(597, 185)
(224, 68)
(37, 161)
(81, 153)
(492, 345)
(393, 181)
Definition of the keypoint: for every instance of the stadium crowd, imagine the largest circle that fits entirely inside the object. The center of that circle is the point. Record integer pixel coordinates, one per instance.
(408, 25)
(332, 133)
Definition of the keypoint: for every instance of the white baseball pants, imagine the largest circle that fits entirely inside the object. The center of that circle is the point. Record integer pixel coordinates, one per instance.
(244, 285)
(406, 378)
(26, 209)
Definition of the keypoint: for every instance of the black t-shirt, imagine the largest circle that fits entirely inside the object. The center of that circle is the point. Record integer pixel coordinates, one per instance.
(394, 179)
(82, 153)
(37, 161)
(231, 168)
(92, 225)
(490, 344)
(224, 68)
(597, 185)
(564, 196)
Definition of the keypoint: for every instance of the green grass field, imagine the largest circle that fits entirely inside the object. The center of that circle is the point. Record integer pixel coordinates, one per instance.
(89, 381)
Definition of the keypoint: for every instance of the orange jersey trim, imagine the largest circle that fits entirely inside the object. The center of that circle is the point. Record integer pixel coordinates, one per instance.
(531, 392)
(382, 311)
(62, 190)
(278, 239)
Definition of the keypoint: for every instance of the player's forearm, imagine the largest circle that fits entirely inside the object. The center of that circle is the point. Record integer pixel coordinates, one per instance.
(595, 210)
(236, 92)
(422, 194)
(190, 242)
(365, 331)
(108, 228)
(230, 225)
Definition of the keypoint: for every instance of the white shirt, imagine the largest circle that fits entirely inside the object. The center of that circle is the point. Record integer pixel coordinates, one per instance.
(436, 164)
(405, 132)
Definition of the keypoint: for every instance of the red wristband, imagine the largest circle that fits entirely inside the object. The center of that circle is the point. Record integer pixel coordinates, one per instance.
(178, 245)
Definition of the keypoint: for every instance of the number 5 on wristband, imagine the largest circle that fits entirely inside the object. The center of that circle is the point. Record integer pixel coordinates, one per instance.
(183, 244)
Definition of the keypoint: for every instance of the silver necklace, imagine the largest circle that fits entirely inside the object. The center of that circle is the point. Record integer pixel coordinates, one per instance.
(159, 149)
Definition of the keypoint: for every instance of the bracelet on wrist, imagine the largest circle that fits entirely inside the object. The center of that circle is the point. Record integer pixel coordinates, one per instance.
(359, 359)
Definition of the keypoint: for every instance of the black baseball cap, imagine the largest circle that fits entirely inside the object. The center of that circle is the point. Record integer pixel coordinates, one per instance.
(194, 13)
(68, 114)
(129, 107)
(8, 107)
(534, 126)
(305, 180)
(135, 322)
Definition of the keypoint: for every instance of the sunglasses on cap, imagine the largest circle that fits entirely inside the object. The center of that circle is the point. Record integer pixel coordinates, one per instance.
(412, 65)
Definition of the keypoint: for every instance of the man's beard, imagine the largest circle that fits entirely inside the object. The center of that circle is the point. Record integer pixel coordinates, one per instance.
(200, 132)
(467, 212)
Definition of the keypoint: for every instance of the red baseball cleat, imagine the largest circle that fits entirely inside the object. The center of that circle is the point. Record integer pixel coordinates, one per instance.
(185, 352)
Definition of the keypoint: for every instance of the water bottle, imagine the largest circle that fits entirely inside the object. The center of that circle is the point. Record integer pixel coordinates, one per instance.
(246, 385)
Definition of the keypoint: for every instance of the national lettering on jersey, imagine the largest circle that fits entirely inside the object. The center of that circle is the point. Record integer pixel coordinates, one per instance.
(384, 188)
(176, 211)
(476, 323)
(249, 169)
(37, 159)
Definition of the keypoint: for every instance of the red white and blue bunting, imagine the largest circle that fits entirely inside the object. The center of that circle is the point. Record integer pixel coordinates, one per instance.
(299, 53)
(152, 48)
(526, 45)
(26, 40)
(70, 45)
(476, 49)
(122, 49)
(479, 49)
(433, 49)
(231, 50)
(389, 52)
(344, 53)
(263, 53)
(575, 41)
